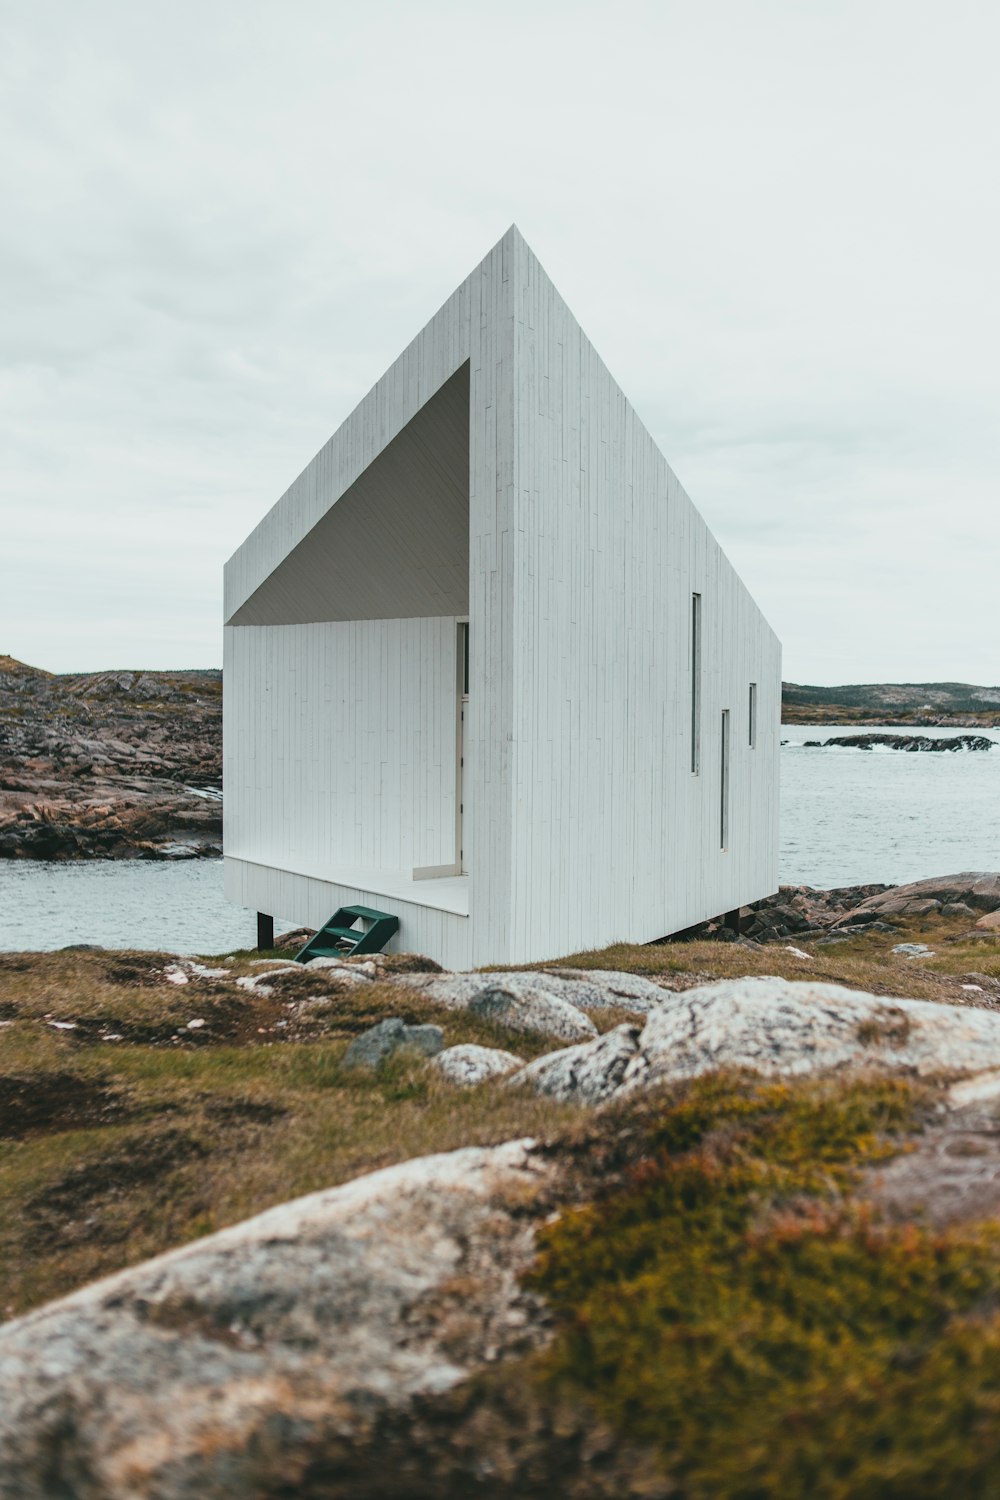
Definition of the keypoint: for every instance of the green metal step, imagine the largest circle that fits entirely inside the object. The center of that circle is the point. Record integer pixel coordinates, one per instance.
(357, 939)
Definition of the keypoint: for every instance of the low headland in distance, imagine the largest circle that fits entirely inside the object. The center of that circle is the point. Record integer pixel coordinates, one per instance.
(127, 764)
(960, 705)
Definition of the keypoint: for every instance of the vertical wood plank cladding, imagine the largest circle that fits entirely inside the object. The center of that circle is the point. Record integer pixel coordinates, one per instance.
(613, 837)
(583, 821)
(340, 743)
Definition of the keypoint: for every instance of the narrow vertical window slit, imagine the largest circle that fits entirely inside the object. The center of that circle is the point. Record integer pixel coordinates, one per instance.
(724, 784)
(695, 683)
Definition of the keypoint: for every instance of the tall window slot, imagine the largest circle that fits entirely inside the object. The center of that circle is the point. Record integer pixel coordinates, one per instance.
(724, 784)
(696, 683)
(463, 708)
(752, 723)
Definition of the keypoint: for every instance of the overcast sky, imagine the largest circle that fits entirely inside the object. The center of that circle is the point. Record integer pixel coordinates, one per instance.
(777, 222)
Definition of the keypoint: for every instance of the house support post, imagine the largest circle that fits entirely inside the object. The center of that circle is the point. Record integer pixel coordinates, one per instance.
(265, 931)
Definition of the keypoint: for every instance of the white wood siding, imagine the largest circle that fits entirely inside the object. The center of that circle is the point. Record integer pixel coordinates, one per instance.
(614, 837)
(341, 743)
(583, 821)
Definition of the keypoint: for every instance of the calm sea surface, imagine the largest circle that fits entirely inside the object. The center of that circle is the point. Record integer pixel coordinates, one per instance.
(847, 817)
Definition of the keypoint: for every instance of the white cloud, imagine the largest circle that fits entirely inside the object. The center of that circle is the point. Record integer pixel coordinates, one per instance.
(777, 223)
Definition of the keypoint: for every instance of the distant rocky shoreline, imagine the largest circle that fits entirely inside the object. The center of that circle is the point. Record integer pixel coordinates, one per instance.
(110, 765)
(911, 742)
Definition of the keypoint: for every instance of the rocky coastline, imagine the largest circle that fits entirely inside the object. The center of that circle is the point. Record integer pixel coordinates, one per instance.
(110, 765)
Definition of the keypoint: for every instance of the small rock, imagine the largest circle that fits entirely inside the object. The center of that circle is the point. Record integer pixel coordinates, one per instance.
(468, 1064)
(957, 909)
(258, 984)
(913, 950)
(989, 923)
(195, 1025)
(524, 1007)
(372, 1047)
(603, 989)
(587, 1073)
(346, 973)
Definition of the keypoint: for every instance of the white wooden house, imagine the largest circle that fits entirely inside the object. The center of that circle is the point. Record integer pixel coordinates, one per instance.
(487, 669)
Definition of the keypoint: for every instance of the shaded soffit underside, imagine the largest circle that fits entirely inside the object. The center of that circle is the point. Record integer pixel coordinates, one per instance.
(396, 543)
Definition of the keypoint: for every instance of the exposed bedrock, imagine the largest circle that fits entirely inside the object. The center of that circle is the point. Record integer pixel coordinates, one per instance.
(772, 1026)
(109, 765)
(803, 911)
(229, 1367)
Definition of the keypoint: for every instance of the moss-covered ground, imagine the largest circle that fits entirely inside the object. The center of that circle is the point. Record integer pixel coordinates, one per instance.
(728, 1305)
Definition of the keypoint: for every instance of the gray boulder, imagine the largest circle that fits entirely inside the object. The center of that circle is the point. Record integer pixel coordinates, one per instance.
(974, 888)
(372, 1047)
(587, 989)
(780, 1026)
(231, 1366)
(606, 989)
(468, 1064)
(528, 1007)
(587, 1073)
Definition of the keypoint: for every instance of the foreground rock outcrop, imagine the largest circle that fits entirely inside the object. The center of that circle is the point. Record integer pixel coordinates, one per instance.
(224, 1368)
(109, 765)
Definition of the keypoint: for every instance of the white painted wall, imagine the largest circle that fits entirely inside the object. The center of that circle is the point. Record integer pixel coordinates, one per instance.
(341, 743)
(584, 823)
(614, 838)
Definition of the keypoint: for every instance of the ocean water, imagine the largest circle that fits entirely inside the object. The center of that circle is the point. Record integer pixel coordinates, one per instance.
(847, 817)
(853, 816)
(130, 903)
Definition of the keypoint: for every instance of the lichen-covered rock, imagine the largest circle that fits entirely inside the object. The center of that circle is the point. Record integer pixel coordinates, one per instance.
(587, 989)
(605, 989)
(468, 1063)
(527, 1007)
(782, 1026)
(586, 1073)
(230, 1366)
(372, 1047)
